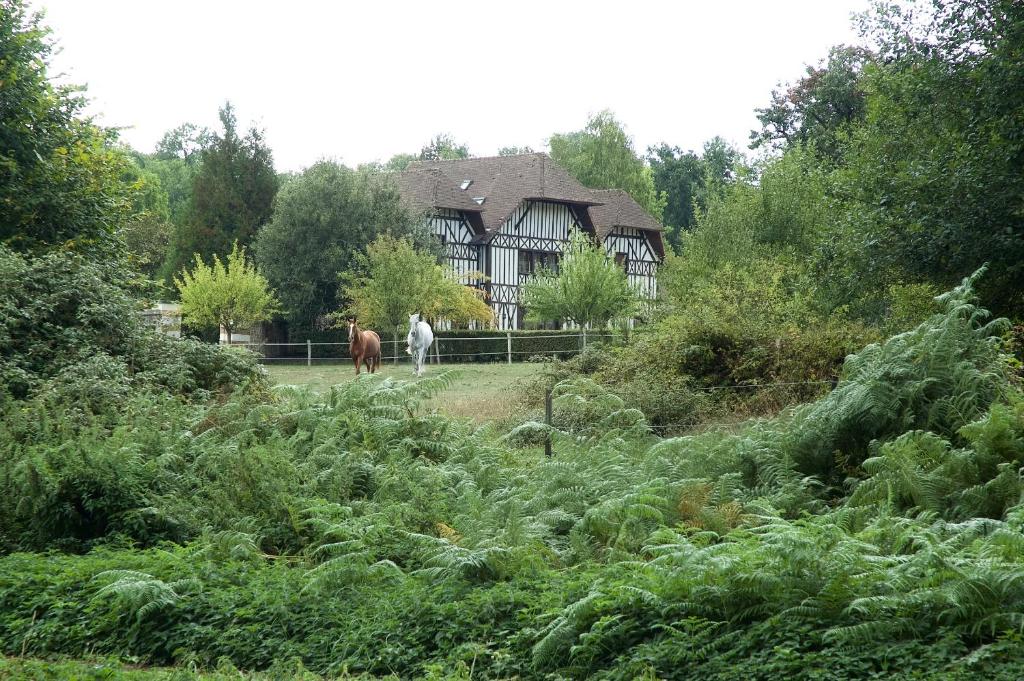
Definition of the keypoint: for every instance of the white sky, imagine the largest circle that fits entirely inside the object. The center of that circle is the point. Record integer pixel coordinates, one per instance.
(358, 81)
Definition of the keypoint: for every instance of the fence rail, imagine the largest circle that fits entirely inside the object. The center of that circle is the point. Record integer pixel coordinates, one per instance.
(339, 350)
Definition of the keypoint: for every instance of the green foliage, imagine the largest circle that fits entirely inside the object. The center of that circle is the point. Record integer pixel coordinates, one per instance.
(931, 185)
(442, 147)
(820, 108)
(687, 181)
(60, 177)
(601, 156)
(589, 289)
(379, 539)
(321, 219)
(232, 297)
(393, 280)
(69, 334)
(232, 194)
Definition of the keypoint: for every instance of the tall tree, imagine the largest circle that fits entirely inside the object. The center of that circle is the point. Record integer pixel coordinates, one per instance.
(684, 179)
(933, 186)
(820, 107)
(601, 156)
(233, 192)
(514, 151)
(61, 178)
(442, 147)
(321, 219)
(186, 142)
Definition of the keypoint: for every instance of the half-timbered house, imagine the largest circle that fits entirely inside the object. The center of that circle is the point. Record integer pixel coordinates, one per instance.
(510, 216)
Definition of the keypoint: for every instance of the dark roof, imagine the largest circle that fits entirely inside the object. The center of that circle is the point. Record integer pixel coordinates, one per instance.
(618, 209)
(427, 188)
(505, 181)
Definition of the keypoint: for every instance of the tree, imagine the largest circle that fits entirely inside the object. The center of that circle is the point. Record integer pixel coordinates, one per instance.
(514, 151)
(146, 233)
(443, 148)
(932, 187)
(187, 142)
(820, 107)
(392, 280)
(321, 219)
(601, 156)
(590, 289)
(60, 175)
(232, 297)
(685, 180)
(233, 192)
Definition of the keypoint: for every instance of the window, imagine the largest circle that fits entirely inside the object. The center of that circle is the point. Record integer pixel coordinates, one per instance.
(465, 184)
(532, 262)
(622, 260)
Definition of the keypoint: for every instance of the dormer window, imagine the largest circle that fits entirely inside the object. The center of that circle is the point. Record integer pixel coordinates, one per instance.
(465, 184)
(479, 200)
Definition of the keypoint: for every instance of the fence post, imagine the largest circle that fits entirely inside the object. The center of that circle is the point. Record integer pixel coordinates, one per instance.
(437, 351)
(508, 341)
(547, 420)
(309, 353)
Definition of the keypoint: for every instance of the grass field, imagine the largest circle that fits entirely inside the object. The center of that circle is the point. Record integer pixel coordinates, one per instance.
(482, 392)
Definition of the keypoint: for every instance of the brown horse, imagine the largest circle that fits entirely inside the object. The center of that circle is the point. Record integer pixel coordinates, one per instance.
(364, 346)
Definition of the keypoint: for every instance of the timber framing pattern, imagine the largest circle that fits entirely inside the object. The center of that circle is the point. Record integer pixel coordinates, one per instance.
(502, 215)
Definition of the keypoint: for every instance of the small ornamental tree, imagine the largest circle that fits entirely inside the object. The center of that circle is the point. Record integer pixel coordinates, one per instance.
(590, 289)
(393, 280)
(234, 297)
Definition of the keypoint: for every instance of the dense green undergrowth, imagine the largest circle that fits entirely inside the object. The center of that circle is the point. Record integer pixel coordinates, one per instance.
(873, 533)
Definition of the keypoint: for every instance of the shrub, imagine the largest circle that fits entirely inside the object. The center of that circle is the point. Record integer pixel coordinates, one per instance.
(65, 322)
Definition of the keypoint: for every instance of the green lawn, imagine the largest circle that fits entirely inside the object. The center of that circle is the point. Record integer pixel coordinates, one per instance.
(482, 392)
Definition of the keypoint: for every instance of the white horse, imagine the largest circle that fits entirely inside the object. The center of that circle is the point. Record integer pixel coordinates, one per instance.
(418, 342)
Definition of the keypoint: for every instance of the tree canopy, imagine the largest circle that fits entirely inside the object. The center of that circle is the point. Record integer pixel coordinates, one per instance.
(590, 289)
(232, 195)
(61, 182)
(820, 107)
(321, 220)
(392, 280)
(233, 296)
(601, 156)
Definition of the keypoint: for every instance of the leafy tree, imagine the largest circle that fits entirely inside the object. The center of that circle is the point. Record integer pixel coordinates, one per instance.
(601, 156)
(820, 107)
(399, 162)
(321, 219)
(232, 195)
(392, 280)
(677, 175)
(443, 148)
(514, 151)
(60, 176)
(932, 188)
(187, 142)
(232, 297)
(589, 288)
(685, 180)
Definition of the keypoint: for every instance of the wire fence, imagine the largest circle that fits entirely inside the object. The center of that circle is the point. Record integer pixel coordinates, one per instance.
(328, 352)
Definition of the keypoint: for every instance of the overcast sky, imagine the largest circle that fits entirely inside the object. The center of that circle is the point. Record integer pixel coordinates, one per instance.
(359, 81)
